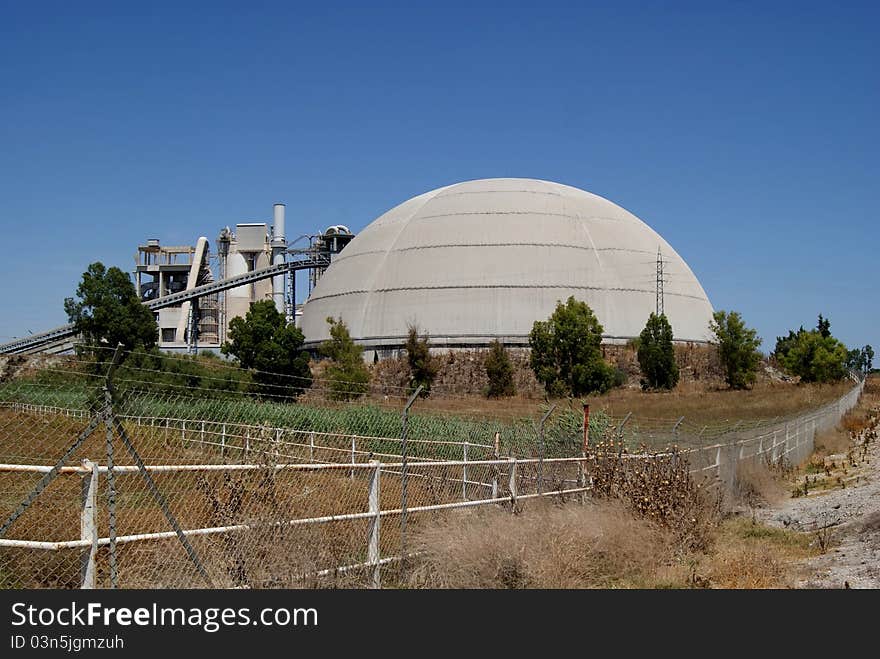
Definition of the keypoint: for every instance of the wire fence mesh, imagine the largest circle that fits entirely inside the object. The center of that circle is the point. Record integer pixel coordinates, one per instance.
(122, 476)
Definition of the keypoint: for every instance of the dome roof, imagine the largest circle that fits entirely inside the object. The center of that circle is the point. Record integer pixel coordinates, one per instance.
(485, 259)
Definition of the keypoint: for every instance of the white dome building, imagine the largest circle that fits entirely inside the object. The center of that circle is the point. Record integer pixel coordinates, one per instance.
(480, 260)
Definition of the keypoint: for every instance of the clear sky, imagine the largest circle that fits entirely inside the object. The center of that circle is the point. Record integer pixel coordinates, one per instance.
(746, 133)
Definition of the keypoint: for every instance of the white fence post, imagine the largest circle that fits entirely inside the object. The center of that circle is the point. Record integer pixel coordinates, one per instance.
(512, 482)
(582, 477)
(375, 521)
(89, 523)
(464, 474)
(223, 441)
(183, 433)
(203, 432)
(311, 447)
(495, 467)
(353, 448)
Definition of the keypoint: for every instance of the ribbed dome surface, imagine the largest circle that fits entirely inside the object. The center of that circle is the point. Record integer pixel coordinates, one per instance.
(483, 259)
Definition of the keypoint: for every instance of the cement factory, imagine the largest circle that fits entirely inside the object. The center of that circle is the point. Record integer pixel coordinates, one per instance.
(467, 263)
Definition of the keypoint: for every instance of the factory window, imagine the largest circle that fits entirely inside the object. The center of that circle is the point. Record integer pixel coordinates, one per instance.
(167, 334)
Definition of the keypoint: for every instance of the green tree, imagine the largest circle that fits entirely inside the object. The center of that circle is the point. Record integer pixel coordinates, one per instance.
(263, 342)
(861, 359)
(423, 368)
(499, 371)
(816, 358)
(657, 355)
(786, 343)
(867, 359)
(565, 353)
(737, 348)
(855, 359)
(108, 311)
(348, 375)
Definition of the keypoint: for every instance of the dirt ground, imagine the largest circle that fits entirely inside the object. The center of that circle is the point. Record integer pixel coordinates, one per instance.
(841, 509)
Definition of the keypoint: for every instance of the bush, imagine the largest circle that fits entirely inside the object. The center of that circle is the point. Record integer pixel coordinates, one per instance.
(737, 349)
(618, 377)
(348, 375)
(264, 342)
(423, 368)
(814, 356)
(499, 371)
(657, 355)
(565, 354)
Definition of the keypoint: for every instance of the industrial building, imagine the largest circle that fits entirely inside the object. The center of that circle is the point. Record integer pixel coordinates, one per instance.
(203, 322)
(467, 263)
(480, 260)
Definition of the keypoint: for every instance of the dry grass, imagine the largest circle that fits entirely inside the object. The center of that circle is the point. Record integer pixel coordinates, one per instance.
(758, 484)
(832, 442)
(750, 555)
(263, 557)
(594, 546)
(598, 546)
(705, 404)
(698, 402)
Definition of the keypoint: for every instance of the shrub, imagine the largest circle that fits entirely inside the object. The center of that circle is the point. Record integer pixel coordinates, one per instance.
(499, 371)
(264, 342)
(423, 368)
(657, 355)
(348, 375)
(565, 353)
(737, 349)
(814, 356)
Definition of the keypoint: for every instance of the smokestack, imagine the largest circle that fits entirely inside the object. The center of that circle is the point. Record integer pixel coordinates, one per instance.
(279, 245)
(278, 225)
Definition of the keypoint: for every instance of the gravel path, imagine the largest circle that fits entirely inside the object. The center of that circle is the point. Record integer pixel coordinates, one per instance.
(847, 514)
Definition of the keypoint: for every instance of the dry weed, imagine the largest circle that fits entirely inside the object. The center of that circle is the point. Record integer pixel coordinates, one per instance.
(659, 487)
(593, 546)
(757, 484)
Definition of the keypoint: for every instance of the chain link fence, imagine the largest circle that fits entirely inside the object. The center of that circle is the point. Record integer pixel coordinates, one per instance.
(114, 475)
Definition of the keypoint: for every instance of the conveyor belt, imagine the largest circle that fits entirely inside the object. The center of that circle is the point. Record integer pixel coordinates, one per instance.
(64, 334)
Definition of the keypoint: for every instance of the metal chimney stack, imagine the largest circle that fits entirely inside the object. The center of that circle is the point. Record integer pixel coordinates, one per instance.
(279, 247)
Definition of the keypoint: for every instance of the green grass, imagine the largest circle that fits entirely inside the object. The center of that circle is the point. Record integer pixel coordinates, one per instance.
(562, 436)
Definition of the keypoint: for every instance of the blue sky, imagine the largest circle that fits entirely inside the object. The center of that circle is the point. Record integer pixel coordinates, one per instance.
(746, 133)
